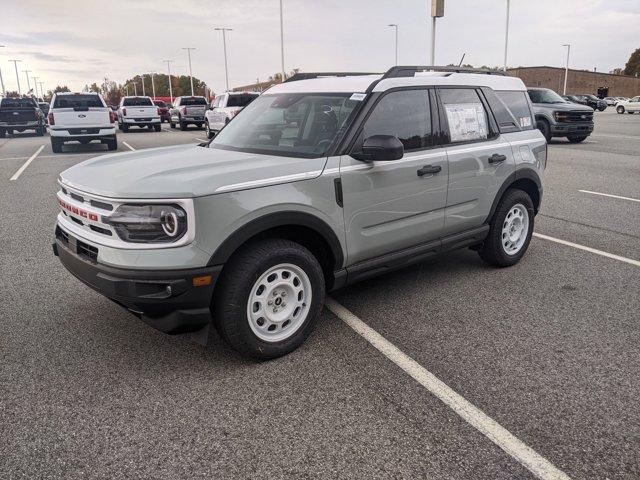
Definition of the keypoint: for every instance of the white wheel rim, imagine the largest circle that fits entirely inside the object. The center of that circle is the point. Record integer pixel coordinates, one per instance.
(515, 229)
(279, 302)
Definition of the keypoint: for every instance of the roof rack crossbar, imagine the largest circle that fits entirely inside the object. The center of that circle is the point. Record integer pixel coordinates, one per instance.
(311, 75)
(410, 71)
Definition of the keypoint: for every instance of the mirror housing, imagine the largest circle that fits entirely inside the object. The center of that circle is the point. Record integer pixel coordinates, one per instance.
(381, 148)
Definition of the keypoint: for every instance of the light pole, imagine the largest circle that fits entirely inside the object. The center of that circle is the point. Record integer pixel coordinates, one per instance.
(506, 36)
(41, 89)
(142, 80)
(153, 87)
(437, 11)
(168, 62)
(15, 65)
(27, 72)
(281, 44)
(224, 30)
(566, 67)
(188, 49)
(35, 85)
(135, 88)
(4, 93)
(394, 25)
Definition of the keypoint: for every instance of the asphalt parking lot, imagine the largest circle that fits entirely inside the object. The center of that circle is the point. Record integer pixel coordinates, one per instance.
(548, 349)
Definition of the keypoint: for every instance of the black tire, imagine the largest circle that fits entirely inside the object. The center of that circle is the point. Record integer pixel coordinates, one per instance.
(2, 133)
(229, 306)
(157, 128)
(620, 109)
(172, 125)
(56, 145)
(577, 139)
(125, 127)
(602, 109)
(630, 113)
(492, 250)
(198, 125)
(40, 131)
(545, 129)
(9, 131)
(183, 126)
(208, 130)
(112, 144)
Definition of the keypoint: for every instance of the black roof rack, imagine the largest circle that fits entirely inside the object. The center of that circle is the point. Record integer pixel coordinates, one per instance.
(410, 71)
(311, 75)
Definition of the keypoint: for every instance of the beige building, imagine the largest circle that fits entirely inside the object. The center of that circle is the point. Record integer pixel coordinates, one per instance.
(578, 81)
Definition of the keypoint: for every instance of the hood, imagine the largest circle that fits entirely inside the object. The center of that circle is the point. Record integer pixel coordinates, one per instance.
(565, 107)
(185, 171)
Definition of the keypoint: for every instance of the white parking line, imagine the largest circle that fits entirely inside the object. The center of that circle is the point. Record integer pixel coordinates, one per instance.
(128, 146)
(588, 249)
(612, 196)
(199, 139)
(630, 137)
(534, 462)
(26, 164)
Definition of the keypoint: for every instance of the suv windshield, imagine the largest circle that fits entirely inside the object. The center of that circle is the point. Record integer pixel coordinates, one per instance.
(292, 124)
(77, 101)
(545, 96)
(187, 101)
(137, 102)
(241, 100)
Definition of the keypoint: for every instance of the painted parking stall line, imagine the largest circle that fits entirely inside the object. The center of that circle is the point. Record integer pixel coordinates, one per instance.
(200, 139)
(619, 197)
(588, 249)
(26, 164)
(128, 146)
(525, 455)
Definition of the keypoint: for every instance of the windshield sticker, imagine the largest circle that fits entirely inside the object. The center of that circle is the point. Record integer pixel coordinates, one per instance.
(467, 121)
(525, 121)
(358, 97)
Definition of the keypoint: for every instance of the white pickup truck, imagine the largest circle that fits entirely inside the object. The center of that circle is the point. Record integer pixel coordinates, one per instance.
(224, 108)
(138, 112)
(81, 117)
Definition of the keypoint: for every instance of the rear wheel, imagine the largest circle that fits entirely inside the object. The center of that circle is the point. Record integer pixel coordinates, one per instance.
(577, 139)
(183, 126)
(40, 131)
(56, 145)
(172, 124)
(208, 130)
(112, 144)
(269, 298)
(510, 230)
(2, 133)
(545, 129)
(157, 128)
(630, 112)
(125, 127)
(620, 109)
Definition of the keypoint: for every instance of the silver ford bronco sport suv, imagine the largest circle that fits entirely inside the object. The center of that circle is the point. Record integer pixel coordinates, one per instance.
(318, 183)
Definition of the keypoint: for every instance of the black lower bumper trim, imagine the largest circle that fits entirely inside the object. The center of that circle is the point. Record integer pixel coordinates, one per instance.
(167, 300)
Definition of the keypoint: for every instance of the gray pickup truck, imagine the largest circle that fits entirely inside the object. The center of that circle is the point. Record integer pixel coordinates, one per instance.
(187, 111)
(556, 117)
(316, 184)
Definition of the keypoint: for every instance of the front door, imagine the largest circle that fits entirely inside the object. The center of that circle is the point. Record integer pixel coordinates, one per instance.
(392, 205)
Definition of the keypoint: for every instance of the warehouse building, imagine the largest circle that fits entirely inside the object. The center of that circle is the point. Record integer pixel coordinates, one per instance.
(579, 81)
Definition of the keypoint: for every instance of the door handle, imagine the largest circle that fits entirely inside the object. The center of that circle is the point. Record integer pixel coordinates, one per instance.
(429, 169)
(495, 158)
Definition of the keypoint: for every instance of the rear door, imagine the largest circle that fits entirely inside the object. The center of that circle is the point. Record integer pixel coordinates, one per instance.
(80, 110)
(390, 206)
(480, 158)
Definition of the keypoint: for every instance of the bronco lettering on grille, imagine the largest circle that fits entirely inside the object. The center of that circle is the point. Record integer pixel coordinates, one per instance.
(78, 211)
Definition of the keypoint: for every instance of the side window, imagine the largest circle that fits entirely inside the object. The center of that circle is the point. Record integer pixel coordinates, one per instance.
(465, 114)
(517, 104)
(406, 115)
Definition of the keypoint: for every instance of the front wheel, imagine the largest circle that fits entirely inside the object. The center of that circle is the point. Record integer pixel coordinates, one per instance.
(269, 298)
(208, 130)
(157, 128)
(510, 230)
(577, 139)
(620, 109)
(545, 129)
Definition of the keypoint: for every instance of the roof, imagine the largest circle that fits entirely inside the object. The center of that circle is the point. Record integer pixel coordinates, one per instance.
(378, 82)
(76, 93)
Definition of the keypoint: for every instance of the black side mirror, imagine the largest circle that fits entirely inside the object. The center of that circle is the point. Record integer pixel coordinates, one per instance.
(380, 148)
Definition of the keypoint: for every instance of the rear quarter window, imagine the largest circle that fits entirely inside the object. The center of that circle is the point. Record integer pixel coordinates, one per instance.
(516, 102)
(78, 101)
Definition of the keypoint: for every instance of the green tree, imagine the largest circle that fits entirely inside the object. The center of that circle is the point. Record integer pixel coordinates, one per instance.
(633, 65)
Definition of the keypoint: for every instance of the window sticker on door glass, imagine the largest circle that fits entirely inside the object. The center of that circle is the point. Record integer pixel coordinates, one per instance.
(525, 121)
(467, 121)
(358, 97)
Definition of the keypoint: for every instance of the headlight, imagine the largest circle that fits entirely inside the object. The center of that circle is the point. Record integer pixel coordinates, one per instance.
(560, 116)
(148, 223)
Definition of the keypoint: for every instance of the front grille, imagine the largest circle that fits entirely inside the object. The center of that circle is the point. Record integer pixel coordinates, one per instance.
(99, 204)
(80, 207)
(103, 231)
(575, 116)
(77, 197)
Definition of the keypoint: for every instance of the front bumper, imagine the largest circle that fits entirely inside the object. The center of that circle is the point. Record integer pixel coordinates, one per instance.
(168, 300)
(565, 129)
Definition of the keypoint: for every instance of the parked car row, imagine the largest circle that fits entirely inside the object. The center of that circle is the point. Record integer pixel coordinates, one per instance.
(631, 105)
(589, 100)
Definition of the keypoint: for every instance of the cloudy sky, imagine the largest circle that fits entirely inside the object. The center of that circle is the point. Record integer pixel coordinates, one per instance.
(75, 42)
